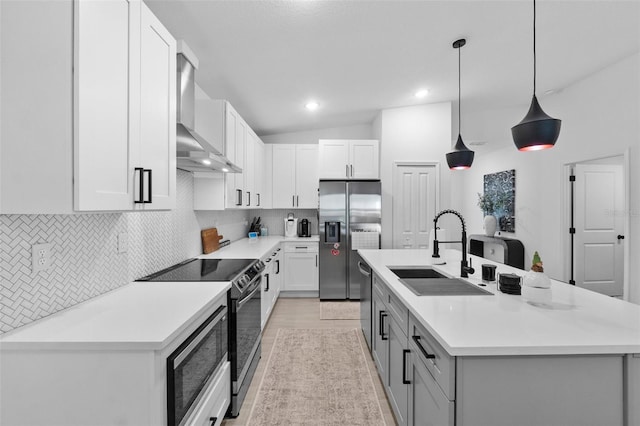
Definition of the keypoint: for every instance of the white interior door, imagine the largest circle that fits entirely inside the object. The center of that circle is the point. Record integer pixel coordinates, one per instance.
(414, 204)
(598, 222)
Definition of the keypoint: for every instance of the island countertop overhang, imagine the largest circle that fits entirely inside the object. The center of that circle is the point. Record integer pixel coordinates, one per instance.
(581, 322)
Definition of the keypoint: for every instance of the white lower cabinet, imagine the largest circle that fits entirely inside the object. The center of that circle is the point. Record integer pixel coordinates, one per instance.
(213, 406)
(427, 404)
(301, 266)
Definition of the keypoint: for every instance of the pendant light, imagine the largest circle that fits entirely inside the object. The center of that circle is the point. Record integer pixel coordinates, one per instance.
(537, 130)
(461, 157)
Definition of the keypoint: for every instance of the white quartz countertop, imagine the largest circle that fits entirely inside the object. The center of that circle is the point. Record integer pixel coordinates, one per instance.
(140, 315)
(254, 248)
(577, 321)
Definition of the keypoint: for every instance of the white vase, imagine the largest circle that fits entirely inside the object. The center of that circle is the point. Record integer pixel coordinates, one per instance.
(490, 225)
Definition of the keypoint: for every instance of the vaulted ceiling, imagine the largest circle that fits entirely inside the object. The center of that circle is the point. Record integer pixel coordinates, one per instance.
(357, 57)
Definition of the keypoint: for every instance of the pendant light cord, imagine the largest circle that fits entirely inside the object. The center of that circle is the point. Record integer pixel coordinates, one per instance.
(459, 115)
(534, 47)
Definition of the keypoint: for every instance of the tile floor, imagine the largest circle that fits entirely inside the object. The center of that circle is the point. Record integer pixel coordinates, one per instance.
(301, 313)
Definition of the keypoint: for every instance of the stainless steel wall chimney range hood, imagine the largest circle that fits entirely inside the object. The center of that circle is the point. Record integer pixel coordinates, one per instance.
(194, 152)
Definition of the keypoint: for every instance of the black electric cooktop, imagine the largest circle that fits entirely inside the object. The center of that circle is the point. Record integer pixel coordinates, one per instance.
(202, 270)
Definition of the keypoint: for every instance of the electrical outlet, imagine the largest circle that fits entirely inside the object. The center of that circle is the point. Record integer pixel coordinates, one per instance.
(41, 257)
(122, 242)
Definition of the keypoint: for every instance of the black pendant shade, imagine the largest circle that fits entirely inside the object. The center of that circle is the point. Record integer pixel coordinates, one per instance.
(461, 157)
(537, 130)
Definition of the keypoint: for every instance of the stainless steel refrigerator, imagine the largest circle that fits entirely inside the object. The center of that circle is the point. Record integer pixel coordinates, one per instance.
(349, 219)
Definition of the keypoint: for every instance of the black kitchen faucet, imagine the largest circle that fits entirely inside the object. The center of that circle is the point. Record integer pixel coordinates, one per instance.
(465, 268)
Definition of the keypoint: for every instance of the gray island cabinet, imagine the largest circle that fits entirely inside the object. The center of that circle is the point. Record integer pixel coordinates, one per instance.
(496, 360)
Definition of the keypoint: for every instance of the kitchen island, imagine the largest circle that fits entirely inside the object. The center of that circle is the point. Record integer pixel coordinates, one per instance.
(496, 359)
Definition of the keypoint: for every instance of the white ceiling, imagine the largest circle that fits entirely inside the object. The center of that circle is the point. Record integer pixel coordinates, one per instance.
(358, 57)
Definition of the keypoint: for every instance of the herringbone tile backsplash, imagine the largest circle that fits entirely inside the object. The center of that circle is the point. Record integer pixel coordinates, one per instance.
(85, 259)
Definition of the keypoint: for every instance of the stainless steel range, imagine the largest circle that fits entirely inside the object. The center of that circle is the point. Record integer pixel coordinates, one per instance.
(244, 312)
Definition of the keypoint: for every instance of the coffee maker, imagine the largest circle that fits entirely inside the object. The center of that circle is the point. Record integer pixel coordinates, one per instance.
(290, 226)
(304, 230)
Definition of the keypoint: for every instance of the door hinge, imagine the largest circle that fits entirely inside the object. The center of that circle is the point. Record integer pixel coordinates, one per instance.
(572, 230)
(572, 178)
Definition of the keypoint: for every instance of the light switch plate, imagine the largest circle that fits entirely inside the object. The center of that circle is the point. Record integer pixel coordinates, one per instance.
(122, 242)
(41, 257)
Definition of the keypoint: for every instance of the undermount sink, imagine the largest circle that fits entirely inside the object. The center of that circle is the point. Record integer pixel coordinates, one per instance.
(443, 287)
(416, 272)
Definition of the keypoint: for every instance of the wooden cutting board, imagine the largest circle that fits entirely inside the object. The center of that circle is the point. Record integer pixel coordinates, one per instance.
(210, 240)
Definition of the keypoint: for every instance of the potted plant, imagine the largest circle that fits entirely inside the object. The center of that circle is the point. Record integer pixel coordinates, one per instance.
(487, 203)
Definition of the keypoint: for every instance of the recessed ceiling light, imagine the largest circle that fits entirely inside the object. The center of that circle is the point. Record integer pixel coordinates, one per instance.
(421, 93)
(312, 105)
(206, 162)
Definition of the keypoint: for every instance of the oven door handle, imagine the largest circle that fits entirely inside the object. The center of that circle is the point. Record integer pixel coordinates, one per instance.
(246, 298)
(221, 312)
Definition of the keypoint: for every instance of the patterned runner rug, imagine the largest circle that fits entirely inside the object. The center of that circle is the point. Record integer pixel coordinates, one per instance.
(317, 377)
(339, 310)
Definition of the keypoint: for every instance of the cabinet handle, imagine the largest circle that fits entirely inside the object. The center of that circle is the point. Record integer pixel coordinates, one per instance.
(238, 197)
(248, 198)
(316, 260)
(140, 199)
(351, 167)
(383, 315)
(213, 420)
(346, 170)
(405, 352)
(267, 277)
(293, 201)
(297, 201)
(426, 354)
(149, 186)
(278, 265)
(258, 205)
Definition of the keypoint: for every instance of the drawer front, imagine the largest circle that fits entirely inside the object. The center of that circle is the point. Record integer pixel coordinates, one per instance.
(301, 247)
(439, 363)
(380, 289)
(216, 402)
(398, 312)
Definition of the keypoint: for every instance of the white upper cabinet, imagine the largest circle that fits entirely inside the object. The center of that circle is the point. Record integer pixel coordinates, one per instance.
(88, 125)
(295, 176)
(284, 176)
(349, 159)
(158, 111)
(217, 120)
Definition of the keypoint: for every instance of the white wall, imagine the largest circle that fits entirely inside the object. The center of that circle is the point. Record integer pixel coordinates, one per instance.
(600, 118)
(359, 131)
(419, 133)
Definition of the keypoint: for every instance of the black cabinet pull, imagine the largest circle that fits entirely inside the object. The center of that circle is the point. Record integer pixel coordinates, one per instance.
(293, 201)
(383, 315)
(140, 199)
(422, 349)
(150, 200)
(267, 277)
(248, 198)
(213, 420)
(278, 266)
(621, 237)
(404, 367)
(346, 172)
(297, 201)
(316, 260)
(258, 200)
(238, 197)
